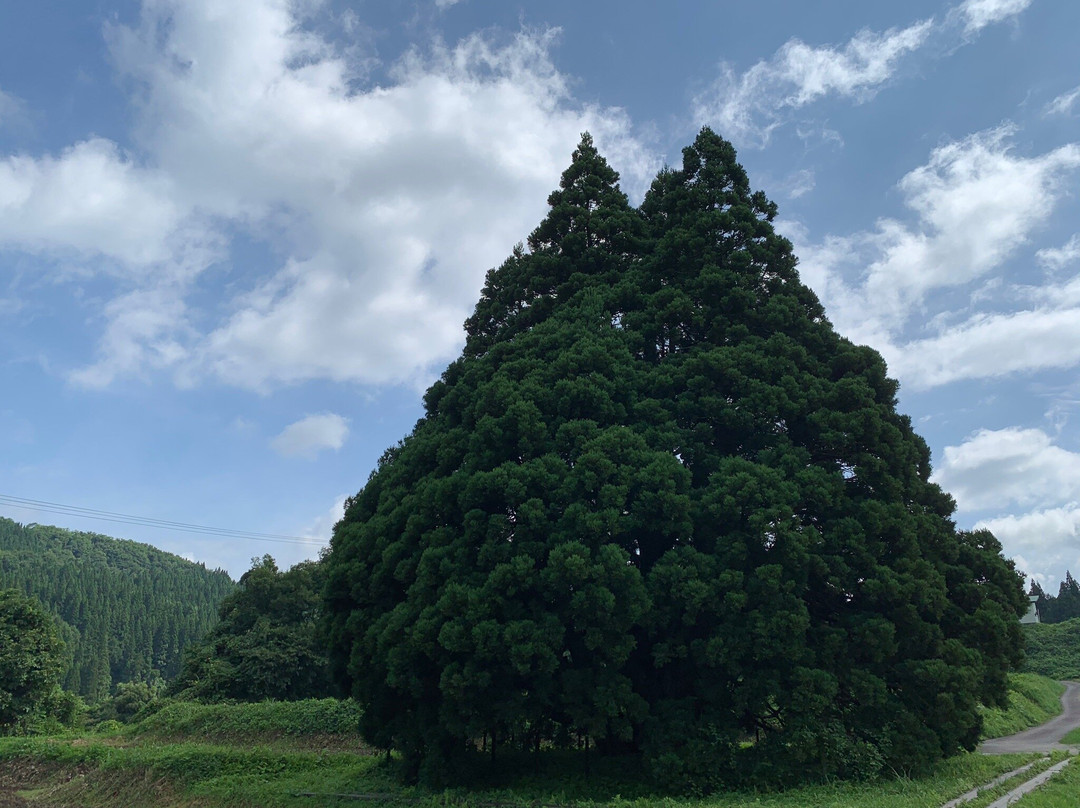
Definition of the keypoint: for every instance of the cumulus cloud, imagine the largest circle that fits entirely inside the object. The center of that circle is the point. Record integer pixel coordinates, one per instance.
(1012, 466)
(90, 199)
(975, 203)
(748, 107)
(977, 14)
(311, 435)
(1049, 538)
(381, 207)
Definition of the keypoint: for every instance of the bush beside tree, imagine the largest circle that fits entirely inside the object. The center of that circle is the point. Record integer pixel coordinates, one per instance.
(31, 662)
(266, 644)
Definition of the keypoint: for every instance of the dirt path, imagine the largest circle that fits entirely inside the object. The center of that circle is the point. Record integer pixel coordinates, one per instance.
(1045, 737)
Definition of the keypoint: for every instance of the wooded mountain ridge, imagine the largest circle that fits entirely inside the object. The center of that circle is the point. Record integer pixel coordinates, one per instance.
(127, 610)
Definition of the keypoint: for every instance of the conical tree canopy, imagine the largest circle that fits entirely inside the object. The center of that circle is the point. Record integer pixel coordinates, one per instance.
(660, 504)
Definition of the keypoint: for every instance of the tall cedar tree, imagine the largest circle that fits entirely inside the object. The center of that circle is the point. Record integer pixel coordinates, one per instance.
(659, 503)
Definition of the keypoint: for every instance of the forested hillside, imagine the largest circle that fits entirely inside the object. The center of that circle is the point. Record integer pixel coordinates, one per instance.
(128, 609)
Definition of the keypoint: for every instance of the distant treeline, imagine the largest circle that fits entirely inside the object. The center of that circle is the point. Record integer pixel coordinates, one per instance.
(1065, 606)
(128, 610)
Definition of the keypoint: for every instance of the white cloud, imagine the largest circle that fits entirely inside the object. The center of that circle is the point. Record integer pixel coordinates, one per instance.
(748, 107)
(975, 202)
(990, 346)
(977, 14)
(384, 206)
(1057, 258)
(1063, 104)
(1044, 543)
(144, 331)
(309, 436)
(91, 200)
(997, 468)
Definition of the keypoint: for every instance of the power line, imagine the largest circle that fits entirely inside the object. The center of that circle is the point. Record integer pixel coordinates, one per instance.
(148, 521)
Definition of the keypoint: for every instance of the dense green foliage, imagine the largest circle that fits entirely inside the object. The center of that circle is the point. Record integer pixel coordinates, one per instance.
(266, 644)
(658, 504)
(31, 659)
(1033, 700)
(127, 609)
(128, 700)
(1053, 650)
(1065, 606)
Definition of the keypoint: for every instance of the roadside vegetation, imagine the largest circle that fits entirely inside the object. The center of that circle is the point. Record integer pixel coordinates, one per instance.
(1033, 700)
(1053, 649)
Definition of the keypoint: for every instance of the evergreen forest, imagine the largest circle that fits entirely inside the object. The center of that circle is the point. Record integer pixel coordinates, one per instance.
(1057, 609)
(127, 610)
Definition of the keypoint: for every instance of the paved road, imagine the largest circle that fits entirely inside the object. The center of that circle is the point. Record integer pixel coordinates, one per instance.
(1045, 737)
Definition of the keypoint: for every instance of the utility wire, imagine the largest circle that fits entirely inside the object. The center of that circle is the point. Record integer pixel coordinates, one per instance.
(147, 521)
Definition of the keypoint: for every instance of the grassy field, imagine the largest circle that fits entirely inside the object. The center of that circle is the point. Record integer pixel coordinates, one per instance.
(1033, 699)
(1062, 791)
(241, 756)
(185, 775)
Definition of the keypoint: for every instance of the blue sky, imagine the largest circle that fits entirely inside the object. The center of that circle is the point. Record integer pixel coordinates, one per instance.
(238, 240)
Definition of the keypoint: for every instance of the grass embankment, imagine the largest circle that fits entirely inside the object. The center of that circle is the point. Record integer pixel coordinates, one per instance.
(1053, 649)
(1033, 700)
(312, 724)
(228, 756)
